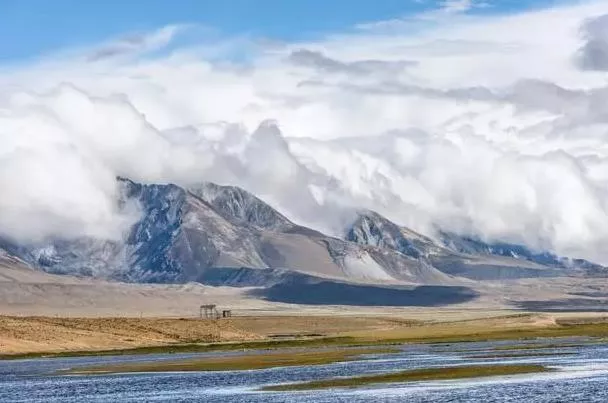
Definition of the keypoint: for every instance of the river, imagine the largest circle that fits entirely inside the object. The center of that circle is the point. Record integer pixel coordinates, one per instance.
(581, 375)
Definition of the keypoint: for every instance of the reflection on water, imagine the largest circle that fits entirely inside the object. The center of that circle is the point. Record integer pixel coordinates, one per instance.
(581, 377)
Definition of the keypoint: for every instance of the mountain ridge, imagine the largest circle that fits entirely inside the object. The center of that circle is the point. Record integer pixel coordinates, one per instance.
(184, 232)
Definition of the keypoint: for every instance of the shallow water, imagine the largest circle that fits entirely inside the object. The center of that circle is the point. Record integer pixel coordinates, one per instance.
(580, 377)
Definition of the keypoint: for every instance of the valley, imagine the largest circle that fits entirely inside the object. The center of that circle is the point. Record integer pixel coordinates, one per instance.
(221, 245)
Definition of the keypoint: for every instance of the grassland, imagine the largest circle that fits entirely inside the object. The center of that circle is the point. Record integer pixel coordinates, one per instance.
(476, 331)
(32, 337)
(239, 362)
(426, 374)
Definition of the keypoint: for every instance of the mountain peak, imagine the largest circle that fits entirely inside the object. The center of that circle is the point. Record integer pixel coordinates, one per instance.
(238, 205)
(371, 228)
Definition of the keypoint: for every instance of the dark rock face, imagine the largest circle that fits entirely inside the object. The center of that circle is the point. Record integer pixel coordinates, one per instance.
(153, 238)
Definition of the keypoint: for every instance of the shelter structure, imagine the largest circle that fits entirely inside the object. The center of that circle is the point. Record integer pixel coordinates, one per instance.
(209, 311)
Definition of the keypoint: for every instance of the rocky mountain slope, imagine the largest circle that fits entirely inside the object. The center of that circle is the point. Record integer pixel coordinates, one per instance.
(464, 256)
(184, 232)
(193, 234)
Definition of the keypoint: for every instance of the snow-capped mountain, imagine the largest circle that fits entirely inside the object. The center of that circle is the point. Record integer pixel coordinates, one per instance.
(184, 232)
(192, 234)
(462, 256)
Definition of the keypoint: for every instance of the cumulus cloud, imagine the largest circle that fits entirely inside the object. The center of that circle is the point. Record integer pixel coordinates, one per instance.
(134, 44)
(594, 53)
(480, 125)
(60, 155)
(51, 186)
(460, 6)
(316, 59)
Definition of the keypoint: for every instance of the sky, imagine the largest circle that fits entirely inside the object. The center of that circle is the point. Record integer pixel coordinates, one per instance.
(29, 28)
(485, 118)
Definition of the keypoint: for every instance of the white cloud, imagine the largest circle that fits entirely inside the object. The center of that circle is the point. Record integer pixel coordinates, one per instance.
(135, 44)
(593, 55)
(480, 124)
(459, 6)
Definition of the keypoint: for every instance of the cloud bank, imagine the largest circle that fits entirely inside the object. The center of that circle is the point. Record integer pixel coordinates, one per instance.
(493, 126)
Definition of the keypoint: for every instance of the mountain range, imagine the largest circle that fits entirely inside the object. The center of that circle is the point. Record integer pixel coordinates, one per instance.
(224, 235)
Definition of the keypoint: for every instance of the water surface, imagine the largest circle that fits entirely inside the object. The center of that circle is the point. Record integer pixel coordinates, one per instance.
(579, 377)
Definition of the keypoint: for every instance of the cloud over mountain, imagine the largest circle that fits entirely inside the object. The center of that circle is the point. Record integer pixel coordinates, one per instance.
(485, 125)
(594, 53)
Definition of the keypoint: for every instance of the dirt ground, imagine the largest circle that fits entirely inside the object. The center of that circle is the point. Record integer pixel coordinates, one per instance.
(52, 334)
(30, 334)
(34, 334)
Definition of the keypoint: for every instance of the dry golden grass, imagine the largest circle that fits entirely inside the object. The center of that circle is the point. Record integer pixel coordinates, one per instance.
(320, 325)
(23, 335)
(510, 327)
(30, 336)
(35, 334)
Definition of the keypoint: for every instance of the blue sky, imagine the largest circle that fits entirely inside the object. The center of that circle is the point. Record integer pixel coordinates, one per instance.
(29, 28)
